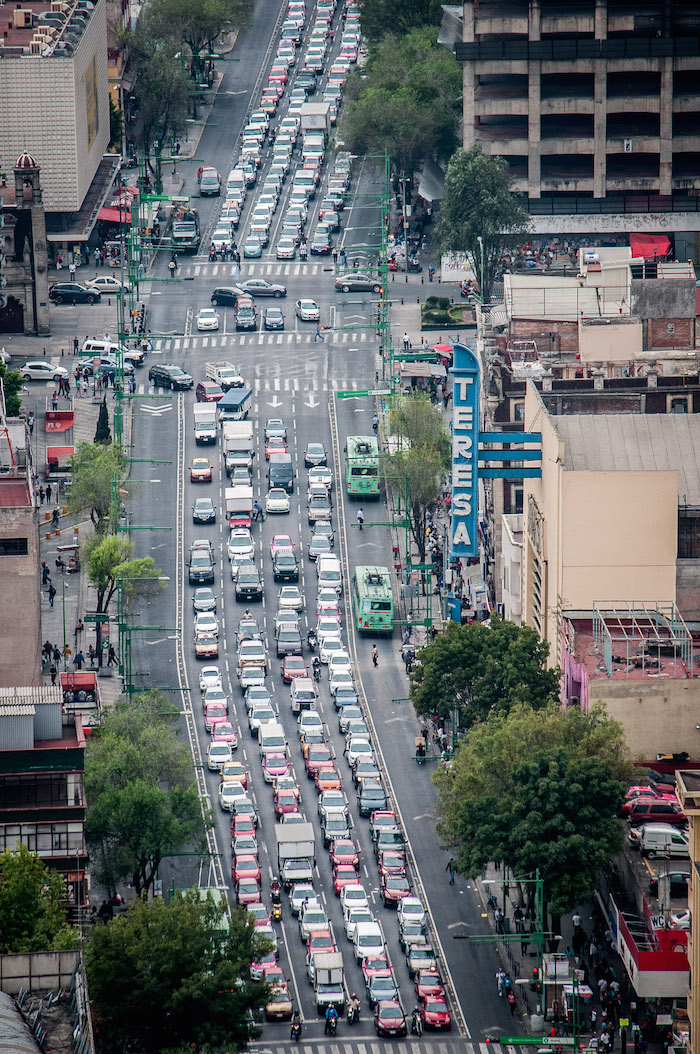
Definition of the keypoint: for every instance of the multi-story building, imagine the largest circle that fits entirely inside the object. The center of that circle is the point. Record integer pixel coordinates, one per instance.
(595, 104)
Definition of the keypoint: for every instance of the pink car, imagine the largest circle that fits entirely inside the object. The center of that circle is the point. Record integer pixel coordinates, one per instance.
(224, 732)
(275, 765)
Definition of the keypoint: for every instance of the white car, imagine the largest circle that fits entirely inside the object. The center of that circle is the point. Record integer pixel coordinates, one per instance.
(107, 283)
(680, 920)
(277, 501)
(229, 793)
(321, 474)
(206, 622)
(218, 755)
(207, 319)
(252, 651)
(310, 720)
(42, 371)
(354, 916)
(307, 310)
(359, 748)
(340, 679)
(339, 661)
(313, 918)
(215, 695)
(209, 677)
(353, 896)
(290, 597)
(327, 626)
(411, 908)
(240, 543)
(330, 645)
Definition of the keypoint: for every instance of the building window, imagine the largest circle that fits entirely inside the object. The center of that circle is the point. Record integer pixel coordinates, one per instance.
(688, 533)
(679, 404)
(13, 547)
(519, 411)
(671, 328)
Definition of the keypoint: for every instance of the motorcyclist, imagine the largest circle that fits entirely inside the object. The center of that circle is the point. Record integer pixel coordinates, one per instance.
(353, 1008)
(275, 891)
(311, 638)
(416, 1023)
(331, 1019)
(303, 251)
(316, 667)
(296, 1026)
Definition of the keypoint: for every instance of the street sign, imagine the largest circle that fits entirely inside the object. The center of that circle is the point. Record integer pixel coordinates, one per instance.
(359, 395)
(537, 1041)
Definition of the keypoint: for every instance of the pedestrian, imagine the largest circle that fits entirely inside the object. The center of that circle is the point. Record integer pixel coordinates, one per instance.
(53, 671)
(497, 917)
(317, 335)
(52, 594)
(500, 977)
(511, 1002)
(406, 342)
(451, 868)
(75, 348)
(91, 655)
(360, 518)
(375, 655)
(97, 255)
(47, 650)
(30, 421)
(79, 659)
(56, 653)
(41, 495)
(55, 516)
(54, 401)
(102, 257)
(576, 921)
(71, 270)
(594, 1021)
(66, 388)
(79, 627)
(44, 573)
(375, 424)
(112, 656)
(49, 493)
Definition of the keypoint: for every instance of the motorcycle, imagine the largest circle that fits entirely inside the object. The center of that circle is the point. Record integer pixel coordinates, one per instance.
(353, 1014)
(296, 1031)
(332, 1025)
(277, 911)
(317, 671)
(311, 639)
(416, 1024)
(212, 254)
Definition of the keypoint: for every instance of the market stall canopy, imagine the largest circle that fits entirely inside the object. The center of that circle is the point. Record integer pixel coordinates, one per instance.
(423, 369)
(650, 246)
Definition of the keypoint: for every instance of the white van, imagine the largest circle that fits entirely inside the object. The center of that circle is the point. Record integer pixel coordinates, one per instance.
(271, 739)
(329, 573)
(661, 839)
(95, 348)
(303, 694)
(368, 940)
(235, 184)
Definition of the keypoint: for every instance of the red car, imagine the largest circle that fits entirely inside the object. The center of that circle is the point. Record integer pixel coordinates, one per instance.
(208, 392)
(242, 825)
(376, 967)
(429, 985)
(394, 888)
(286, 802)
(343, 875)
(646, 796)
(435, 1014)
(247, 891)
(245, 867)
(321, 941)
(275, 445)
(293, 666)
(275, 765)
(317, 755)
(344, 851)
(393, 864)
(389, 1018)
(327, 778)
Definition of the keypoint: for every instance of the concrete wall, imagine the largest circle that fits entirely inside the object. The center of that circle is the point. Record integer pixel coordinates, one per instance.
(38, 972)
(669, 333)
(614, 341)
(20, 644)
(688, 590)
(657, 716)
(663, 297)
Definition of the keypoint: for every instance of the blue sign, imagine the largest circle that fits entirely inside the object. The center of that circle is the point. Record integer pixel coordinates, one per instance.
(464, 541)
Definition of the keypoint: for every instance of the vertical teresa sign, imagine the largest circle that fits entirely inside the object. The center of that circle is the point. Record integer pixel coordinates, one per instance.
(465, 454)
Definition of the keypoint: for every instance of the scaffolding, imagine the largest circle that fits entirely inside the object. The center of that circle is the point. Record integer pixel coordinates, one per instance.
(633, 636)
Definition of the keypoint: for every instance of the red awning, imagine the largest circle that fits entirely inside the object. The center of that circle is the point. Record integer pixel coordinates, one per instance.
(114, 215)
(58, 453)
(650, 246)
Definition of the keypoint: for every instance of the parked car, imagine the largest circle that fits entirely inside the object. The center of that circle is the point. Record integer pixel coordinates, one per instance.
(73, 293)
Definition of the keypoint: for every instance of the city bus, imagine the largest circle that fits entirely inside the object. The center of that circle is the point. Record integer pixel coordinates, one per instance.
(373, 600)
(362, 467)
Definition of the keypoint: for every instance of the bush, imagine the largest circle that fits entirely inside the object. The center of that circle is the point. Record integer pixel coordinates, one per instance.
(436, 302)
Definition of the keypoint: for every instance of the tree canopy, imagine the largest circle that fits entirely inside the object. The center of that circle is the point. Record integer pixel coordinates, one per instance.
(406, 100)
(32, 905)
(378, 17)
(537, 789)
(93, 469)
(164, 978)
(12, 383)
(197, 23)
(479, 203)
(138, 779)
(483, 669)
(418, 471)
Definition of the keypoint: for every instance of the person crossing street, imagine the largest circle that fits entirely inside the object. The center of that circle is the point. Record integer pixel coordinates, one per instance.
(360, 518)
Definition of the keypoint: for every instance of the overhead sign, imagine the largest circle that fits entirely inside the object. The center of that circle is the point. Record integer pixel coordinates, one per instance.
(355, 394)
(465, 454)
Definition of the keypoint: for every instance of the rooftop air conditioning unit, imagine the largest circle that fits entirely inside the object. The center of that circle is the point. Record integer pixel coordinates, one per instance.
(37, 47)
(58, 5)
(22, 18)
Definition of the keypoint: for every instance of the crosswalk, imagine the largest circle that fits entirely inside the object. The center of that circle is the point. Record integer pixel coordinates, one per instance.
(428, 1044)
(349, 337)
(290, 385)
(255, 269)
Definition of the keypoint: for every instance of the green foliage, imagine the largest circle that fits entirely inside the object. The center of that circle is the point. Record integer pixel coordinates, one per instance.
(196, 23)
(378, 17)
(406, 100)
(483, 669)
(110, 561)
(479, 202)
(103, 435)
(162, 85)
(162, 978)
(538, 789)
(418, 471)
(93, 468)
(116, 126)
(32, 905)
(12, 382)
(143, 802)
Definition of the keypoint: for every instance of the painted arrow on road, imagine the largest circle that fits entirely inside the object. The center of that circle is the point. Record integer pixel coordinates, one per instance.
(275, 402)
(156, 409)
(311, 402)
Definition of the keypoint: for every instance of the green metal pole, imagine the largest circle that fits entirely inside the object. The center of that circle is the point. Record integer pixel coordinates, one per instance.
(65, 642)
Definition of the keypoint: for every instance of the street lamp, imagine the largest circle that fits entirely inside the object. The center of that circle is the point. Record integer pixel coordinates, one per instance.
(481, 268)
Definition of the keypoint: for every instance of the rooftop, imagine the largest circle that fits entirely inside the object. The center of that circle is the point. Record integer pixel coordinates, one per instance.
(15, 494)
(33, 28)
(640, 649)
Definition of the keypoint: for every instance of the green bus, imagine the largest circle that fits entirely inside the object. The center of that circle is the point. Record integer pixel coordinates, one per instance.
(362, 466)
(373, 600)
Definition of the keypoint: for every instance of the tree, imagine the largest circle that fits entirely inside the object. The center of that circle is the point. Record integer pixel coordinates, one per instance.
(110, 564)
(397, 16)
(537, 789)
(479, 202)
(103, 435)
(94, 468)
(482, 670)
(144, 804)
(197, 23)
(32, 905)
(406, 100)
(12, 384)
(166, 977)
(418, 471)
(116, 126)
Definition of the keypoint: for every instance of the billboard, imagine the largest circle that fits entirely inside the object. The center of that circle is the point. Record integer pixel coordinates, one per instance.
(91, 102)
(464, 540)
(455, 267)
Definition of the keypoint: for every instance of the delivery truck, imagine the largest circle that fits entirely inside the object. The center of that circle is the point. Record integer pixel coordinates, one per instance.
(238, 444)
(225, 374)
(238, 503)
(235, 405)
(296, 852)
(316, 117)
(328, 981)
(204, 423)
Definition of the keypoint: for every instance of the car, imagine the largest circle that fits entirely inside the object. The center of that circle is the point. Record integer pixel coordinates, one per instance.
(209, 182)
(218, 755)
(318, 754)
(394, 888)
(392, 863)
(357, 282)
(261, 287)
(214, 712)
(107, 284)
(678, 883)
(429, 985)
(39, 370)
(312, 919)
(321, 474)
(290, 597)
(248, 585)
(207, 319)
(370, 797)
(332, 801)
(293, 667)
(412, 933)
(320, 244)
(302, 891)
(680, 920)
(252, 247)
(279, 1006)
(200, 470)
(248, 891)
(106, 364)
(345, 697)
(260, 714)
(209, 677)
(240, 543)
(318, 546)
(273, 318)
(381, 987)
(654, 810)
(412, 908)
(343, 875)
(315, 454)
(166, 375)
(206, 622)
(203, 511)
(307, 310)
(275, 427)
(246, 317)
(286, 247)
(225, 296)
(286, 803)
(419, 957)
(275, 765)
(228, 793)
(275, 445)
(277, 501)
(318, 942)
(73, 293)
(235, 772)
(204, 599)
(285, 567)
(354, 897)
(224, 732)
(435, 1014)
(389, 1018)
(375, 966)
(393, 841)
(344, 851)
(206, 646)
(208, 392)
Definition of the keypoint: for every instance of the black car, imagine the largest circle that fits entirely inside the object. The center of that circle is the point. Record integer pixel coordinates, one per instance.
(321, 245)
(285, 567)
(273, 319)
(225, 296)
(248, 584)
(306, 80)
(360, 283)
(165, 375)
(315, 454)
(678, 882)
(204, 511)
(246, 318)
(201, 568)
(73, 293)
(370, 796)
